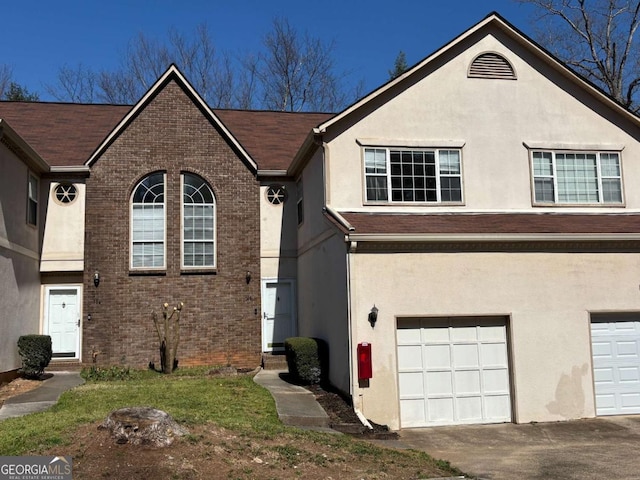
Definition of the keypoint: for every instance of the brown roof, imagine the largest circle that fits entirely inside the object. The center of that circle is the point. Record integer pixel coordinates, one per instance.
(271, 138)
(66, 134)
(63, 134)
(493, 223)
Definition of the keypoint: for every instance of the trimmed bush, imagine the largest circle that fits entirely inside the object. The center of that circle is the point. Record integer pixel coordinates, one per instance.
(35, 352)
(303, 359)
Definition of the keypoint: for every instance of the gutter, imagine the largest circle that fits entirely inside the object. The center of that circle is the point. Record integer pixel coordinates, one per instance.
(490, 237)
(11, 134)
(339, 218)
(272, 173)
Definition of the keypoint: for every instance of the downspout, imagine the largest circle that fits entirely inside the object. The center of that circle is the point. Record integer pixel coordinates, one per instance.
(351, 248)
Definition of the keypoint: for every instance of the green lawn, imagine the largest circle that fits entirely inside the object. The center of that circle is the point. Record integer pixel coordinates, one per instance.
(194, 399)
(235, 403)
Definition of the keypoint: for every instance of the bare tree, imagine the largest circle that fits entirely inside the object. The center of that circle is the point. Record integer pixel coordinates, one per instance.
(6, 76)
(597, 39)
(297, 71)
(74, 84)
(294, 72)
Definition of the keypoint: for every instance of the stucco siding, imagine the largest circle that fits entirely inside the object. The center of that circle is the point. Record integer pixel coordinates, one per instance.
(547, 298)
(63, 244)
(19, 253)
(491, 120)
(323, 304)
(278, 232)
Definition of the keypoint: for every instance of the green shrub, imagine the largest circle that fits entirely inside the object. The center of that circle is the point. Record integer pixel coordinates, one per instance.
(303, 359)
(35, 352)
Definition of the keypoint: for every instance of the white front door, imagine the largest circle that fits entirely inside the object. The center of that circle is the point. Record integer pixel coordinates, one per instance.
(278, 313)
(62, 320)
(453, 371)
(615, 343)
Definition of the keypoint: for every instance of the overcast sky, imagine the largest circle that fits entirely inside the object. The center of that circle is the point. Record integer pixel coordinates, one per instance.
(40, 36)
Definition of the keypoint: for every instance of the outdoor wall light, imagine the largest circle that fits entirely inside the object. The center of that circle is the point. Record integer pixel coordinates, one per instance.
(96, 279)
(248, 277)
(373, 316)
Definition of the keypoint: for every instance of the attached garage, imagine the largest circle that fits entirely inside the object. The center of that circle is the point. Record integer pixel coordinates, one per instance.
(453, 371)
(615, 345)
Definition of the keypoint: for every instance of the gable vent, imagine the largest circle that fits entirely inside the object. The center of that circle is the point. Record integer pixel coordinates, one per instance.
(491, 65)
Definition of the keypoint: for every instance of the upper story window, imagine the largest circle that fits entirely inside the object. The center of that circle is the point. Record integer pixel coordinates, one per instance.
(300, 203)
(576, 178)
(148, 222)
(32, 200)
(412, 175)
(198, 223)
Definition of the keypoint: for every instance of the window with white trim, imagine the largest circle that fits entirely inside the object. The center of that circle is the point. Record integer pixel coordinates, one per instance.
(148, 222)
(576, 177)
(32, 200)
(198, 223)
(412, 175)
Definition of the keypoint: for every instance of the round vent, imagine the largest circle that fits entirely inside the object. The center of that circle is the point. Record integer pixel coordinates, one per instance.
(65, 193)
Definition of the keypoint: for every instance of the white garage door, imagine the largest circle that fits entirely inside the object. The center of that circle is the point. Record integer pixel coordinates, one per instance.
(615, 342)
(453, 371)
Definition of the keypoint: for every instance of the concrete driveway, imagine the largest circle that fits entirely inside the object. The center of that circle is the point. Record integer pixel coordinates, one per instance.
(602, 448)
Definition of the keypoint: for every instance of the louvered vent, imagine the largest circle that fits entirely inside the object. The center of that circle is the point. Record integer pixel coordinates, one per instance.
(491, 65)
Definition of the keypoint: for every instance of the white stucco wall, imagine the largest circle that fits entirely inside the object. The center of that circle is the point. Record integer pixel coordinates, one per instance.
(63, 244)
(278, 233)
(548, 298)
(491, 118)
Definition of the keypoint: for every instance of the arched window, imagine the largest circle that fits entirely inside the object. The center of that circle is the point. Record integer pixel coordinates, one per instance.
(198, 223)
(148, 223)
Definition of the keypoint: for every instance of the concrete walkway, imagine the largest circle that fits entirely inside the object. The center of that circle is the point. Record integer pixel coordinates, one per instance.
(296, 405)
(41, 398)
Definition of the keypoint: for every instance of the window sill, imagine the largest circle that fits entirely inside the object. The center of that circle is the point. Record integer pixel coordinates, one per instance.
(579, 205)
(414, 204)
(147, 272)
(199, 271)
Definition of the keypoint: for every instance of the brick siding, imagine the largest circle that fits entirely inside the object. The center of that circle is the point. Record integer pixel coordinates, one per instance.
(221, 320)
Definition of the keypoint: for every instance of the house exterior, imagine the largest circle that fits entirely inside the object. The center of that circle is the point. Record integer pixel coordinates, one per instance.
(472, 224)
(483, 203)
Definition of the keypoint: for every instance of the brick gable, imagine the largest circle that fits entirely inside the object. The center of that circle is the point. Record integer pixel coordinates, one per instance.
(221, 321)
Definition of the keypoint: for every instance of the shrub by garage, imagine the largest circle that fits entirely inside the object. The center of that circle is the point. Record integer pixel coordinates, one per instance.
(303, 359)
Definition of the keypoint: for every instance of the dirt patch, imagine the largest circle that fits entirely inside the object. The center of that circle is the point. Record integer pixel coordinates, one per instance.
(343, 418)
(17, 387)
(212, 452)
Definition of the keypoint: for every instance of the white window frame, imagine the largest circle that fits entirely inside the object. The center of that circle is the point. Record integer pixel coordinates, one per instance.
(31, 200)
(554, 176)
(388, 176)
(215, 229)
(164, 220)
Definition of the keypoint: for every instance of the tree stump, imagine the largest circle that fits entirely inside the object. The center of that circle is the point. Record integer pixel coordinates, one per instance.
(142, 426)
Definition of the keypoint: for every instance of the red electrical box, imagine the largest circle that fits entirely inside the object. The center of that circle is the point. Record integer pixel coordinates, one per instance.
(364, 361)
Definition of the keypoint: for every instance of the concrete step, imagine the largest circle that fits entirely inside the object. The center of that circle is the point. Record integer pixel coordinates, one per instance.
(64, 366)
(274, 361)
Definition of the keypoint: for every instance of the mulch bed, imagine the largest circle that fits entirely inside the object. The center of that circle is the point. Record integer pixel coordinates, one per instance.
(342, 417)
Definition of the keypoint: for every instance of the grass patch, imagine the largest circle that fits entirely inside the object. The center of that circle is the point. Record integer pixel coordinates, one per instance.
(241, 413)
(235, 403)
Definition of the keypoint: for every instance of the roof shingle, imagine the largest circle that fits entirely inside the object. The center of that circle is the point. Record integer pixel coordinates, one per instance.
(66, 134)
